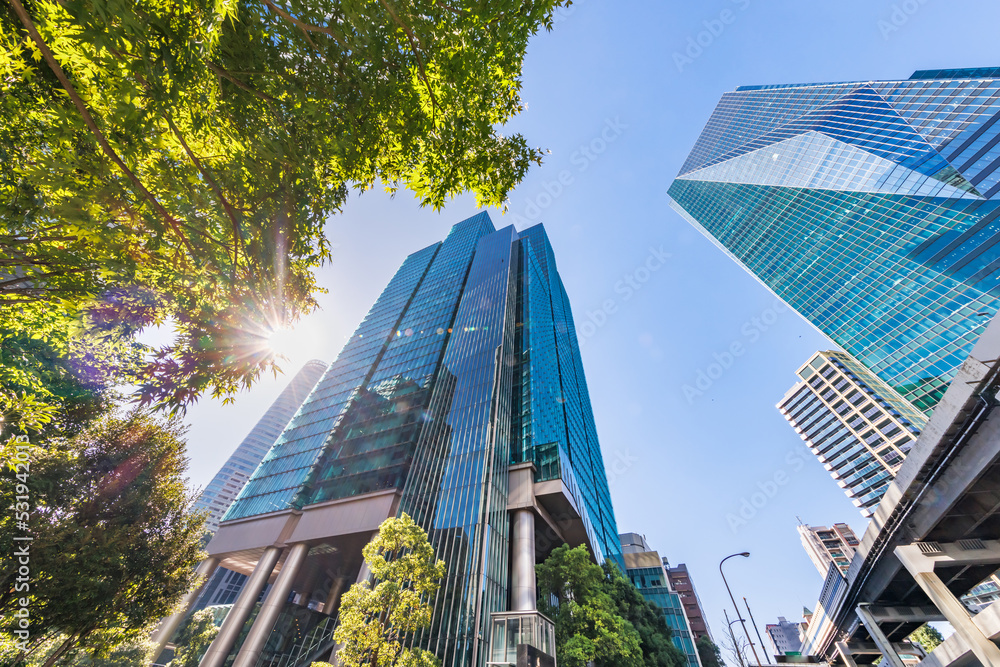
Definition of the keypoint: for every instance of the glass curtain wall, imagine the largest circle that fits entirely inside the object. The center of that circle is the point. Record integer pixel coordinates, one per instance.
(872, 208)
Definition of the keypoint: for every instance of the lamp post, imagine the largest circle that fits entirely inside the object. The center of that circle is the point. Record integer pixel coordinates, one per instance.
(745, 554)
(736, 646)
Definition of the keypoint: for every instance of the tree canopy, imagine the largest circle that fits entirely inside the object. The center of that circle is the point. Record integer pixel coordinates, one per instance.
(194, 638)
(589, 627)
(927, 636)
(136, 652)
(655, 636)
(174, 161)
(373, 622)
(113, 546)
(709, 654)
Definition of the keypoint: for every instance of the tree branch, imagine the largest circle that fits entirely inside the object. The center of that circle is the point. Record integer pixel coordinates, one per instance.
(81, 107)
(413, 46)
(304, 26)
(9, 240)
(237, 236)
(239, 84)
(16, 281)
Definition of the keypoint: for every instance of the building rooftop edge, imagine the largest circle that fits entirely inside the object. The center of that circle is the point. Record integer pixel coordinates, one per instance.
(918, 75)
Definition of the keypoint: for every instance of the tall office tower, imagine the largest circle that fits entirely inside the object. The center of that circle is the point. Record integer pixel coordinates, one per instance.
(227, 483)
(461, 401)
(872, 208)
(225, 585)
(785, 636)
(647, 572)
(682, 583)
(858, 427)
(824, 545)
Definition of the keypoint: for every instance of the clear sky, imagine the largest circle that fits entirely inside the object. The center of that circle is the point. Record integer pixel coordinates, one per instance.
(619, 95)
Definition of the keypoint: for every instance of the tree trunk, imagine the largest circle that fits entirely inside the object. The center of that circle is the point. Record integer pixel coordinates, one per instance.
(59, 651)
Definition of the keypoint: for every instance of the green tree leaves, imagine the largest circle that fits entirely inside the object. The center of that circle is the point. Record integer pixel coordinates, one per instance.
(194, 638)
(374, 621)
(175, 161)
(927, 636)
(589, 628)
(114, 546)
(709, 653)
(658, 649)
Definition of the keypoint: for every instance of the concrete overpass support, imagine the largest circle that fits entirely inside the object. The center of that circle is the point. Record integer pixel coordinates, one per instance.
(921, 566)
(881, 641)
(845, 654)
(956, 613)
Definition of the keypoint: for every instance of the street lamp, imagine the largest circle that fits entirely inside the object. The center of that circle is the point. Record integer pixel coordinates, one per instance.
(745, 554)
(736, 645)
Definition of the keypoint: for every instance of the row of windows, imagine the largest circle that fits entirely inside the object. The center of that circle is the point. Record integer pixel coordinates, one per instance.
(808, 276)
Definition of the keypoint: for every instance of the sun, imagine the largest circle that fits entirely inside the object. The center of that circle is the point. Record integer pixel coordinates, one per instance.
(285, 342)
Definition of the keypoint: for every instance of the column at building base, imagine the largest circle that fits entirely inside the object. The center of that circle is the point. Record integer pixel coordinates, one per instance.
(237, 616)
(364, 574)
(523, 592)
(168, 626)
(333, 597)
(272, 606)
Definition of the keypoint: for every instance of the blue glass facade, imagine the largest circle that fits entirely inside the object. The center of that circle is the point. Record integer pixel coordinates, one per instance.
(652, 584)
(872, 208)
(467, 363)
(227, 483)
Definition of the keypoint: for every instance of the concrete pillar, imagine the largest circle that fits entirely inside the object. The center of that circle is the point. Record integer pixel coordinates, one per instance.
(845, 654)
(237, 616)
(305, 593)
(921, 566)
(168, 626)
(273, 604)
(333, 597)
(956, 613)
(881, 641)
(523, 595)
(364, 574)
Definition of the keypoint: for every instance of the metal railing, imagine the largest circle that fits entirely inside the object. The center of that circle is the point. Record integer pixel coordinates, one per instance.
(318, 641)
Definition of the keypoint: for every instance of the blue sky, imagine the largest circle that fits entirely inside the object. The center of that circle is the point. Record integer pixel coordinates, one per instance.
(619, 93)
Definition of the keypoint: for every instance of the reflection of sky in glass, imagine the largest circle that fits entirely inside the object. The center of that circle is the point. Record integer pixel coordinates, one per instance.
(472, 340)
(871, 208)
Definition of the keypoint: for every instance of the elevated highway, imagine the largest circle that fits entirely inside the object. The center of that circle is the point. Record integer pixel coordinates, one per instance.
(932, 539)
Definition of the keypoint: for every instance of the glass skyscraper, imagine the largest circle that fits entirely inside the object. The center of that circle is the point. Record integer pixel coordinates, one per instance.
(872, 208)
(220, 493)
(459, 400)
(229, 481)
